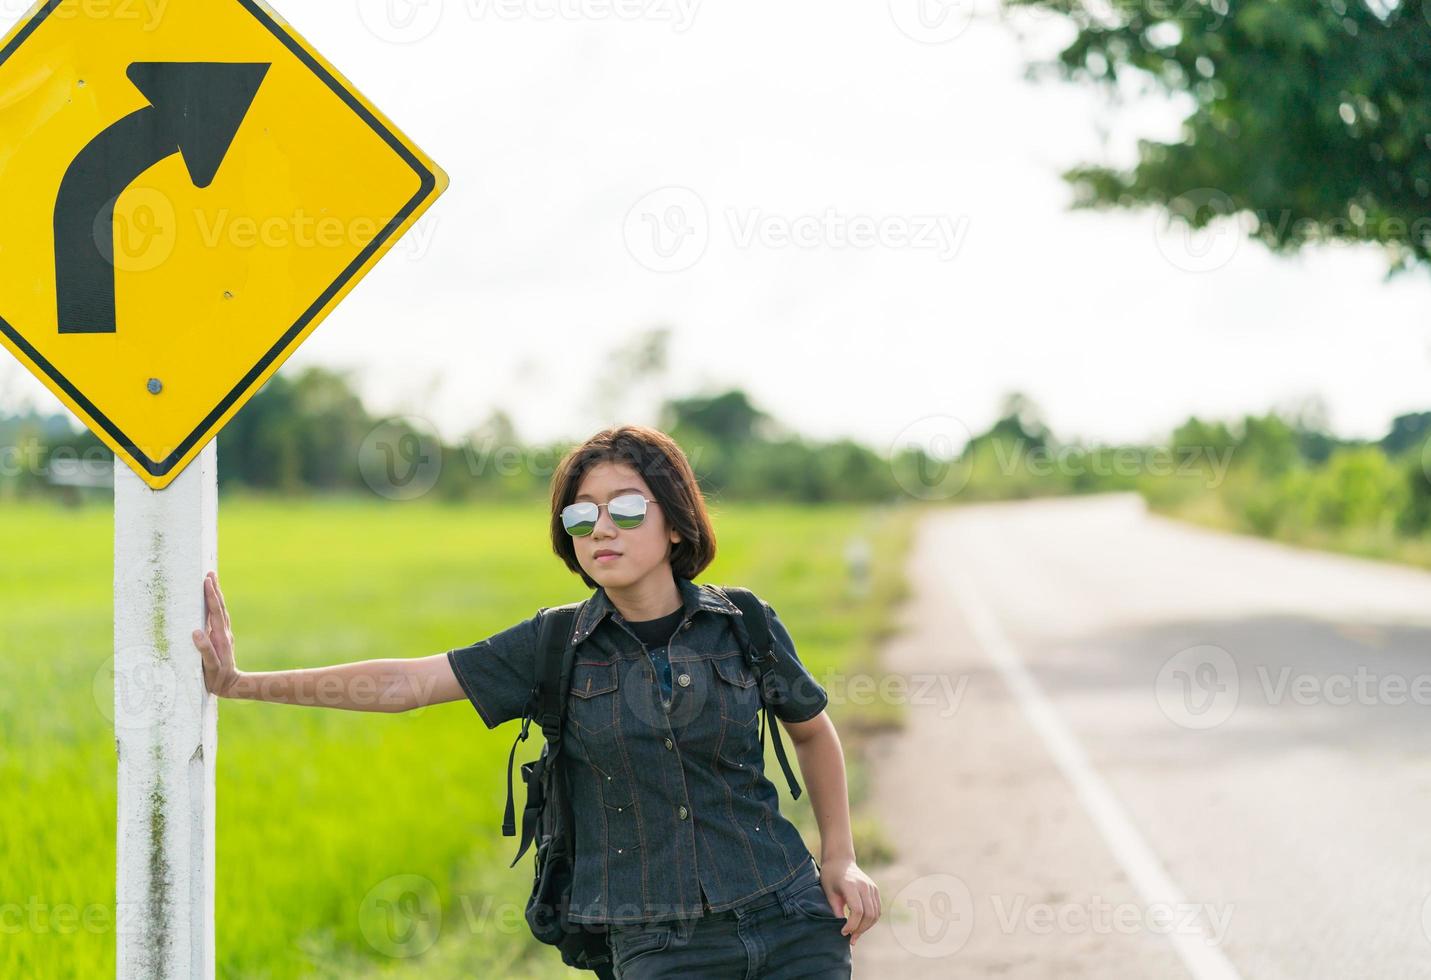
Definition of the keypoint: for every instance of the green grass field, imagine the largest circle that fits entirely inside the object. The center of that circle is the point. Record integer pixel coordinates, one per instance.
(332, 821)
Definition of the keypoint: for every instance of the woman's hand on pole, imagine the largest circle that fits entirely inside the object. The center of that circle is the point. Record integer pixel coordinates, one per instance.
(216, 641)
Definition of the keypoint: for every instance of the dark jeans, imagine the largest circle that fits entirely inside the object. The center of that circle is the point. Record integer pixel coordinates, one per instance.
(790, 932)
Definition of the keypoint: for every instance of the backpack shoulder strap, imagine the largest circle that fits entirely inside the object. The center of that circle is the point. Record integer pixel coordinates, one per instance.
(756, 633)
(554, 661)
(555, 626)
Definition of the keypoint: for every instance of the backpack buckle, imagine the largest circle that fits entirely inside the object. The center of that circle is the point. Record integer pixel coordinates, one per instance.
(774, 687)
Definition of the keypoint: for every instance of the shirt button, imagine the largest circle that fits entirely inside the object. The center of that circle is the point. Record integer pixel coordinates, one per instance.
(683, 811)
(669, 743)
(684, 680)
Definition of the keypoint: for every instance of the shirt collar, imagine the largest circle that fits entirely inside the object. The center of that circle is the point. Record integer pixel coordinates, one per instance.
(693, 598)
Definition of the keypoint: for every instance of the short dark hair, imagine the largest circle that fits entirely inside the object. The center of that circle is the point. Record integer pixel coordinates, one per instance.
(664, 467)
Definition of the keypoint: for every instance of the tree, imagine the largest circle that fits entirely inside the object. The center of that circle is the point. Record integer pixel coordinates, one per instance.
(299, 430)
(728, 418)
(1309, 115)
(1408, 432)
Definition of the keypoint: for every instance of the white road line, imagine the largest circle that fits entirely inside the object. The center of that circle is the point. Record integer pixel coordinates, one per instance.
(1204, 961)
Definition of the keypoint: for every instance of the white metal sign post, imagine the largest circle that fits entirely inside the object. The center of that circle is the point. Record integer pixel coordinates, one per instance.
(165, 721)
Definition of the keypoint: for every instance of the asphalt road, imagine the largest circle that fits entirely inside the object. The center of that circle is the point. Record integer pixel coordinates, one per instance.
(1137, 748)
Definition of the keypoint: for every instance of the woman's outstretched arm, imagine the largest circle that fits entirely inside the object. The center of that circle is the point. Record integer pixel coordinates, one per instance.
(389, 685)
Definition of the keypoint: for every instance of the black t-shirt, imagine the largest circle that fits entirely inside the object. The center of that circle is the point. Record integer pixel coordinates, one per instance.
(655, 632)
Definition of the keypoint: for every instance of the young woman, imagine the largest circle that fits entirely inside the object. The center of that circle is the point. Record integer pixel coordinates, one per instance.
(680, 845)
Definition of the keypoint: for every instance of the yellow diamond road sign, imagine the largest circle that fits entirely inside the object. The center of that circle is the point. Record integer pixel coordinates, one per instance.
(187, 189)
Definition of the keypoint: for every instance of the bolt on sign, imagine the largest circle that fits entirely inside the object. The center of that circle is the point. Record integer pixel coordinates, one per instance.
(188, 188)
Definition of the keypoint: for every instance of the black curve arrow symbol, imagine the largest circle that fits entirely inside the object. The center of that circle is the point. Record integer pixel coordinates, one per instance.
(195, 109)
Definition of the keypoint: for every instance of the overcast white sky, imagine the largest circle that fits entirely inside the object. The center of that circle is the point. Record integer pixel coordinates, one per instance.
(574, 133)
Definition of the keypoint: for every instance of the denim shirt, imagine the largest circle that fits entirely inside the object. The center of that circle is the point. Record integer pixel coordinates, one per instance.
(674, 813)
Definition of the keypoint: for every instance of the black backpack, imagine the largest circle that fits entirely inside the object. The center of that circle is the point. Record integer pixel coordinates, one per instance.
(547, 819)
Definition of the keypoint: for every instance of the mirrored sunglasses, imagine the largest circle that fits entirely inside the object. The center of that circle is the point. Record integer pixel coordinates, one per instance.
(627, 511)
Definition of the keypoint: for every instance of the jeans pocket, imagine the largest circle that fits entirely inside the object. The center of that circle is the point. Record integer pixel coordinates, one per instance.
(811, 902)
(638, 939)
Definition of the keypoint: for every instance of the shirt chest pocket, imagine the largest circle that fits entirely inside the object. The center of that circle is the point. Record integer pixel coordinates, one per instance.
(736, 688)
(593, 702)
